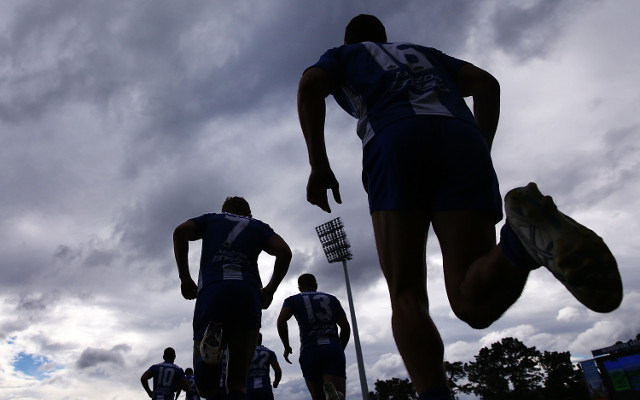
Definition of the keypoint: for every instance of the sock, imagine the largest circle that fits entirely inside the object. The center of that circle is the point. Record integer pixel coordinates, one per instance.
(437, 393)
(514, 250)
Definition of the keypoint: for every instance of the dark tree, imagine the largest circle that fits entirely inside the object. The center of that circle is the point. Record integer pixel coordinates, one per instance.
(507, 370)
(455, 373)
(394, 389)
(563, 380)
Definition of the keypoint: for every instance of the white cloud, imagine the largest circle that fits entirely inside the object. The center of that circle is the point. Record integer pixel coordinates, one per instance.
(120, 120)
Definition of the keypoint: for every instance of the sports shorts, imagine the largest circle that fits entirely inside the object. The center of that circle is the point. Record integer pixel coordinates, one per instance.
(430, 163)
(236, 304)
(325, 359)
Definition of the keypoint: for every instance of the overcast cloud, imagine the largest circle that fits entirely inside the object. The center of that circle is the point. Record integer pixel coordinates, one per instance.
(121, 119)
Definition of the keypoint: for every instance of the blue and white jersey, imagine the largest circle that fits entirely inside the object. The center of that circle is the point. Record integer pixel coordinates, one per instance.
(166, 376)
(316, 313)
(192, 393)
(380, 83)
(259, 372)
(231, 245)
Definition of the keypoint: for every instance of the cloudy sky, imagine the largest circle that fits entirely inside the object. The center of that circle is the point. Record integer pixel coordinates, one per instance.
(121, 119)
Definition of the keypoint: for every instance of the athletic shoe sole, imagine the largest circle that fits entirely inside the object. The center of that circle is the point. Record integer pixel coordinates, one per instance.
(574, 254)
(212, 346)
(330, 391)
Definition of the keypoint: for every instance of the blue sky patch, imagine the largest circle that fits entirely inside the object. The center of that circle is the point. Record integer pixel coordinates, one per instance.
(37, 366)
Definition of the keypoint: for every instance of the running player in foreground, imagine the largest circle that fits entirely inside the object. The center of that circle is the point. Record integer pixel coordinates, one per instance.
(167, 377)
(230, 296)
(322, 359)
(259, 383)
(426, 161)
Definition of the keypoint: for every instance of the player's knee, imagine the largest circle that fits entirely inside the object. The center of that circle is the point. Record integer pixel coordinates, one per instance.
(409, 303)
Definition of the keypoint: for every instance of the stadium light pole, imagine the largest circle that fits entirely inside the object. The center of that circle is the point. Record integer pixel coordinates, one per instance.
(336, 247)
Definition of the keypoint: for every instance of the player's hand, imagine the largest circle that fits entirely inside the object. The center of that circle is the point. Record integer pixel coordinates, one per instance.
(321, 180)
(275, 384)
(189, 289)
(287, 351)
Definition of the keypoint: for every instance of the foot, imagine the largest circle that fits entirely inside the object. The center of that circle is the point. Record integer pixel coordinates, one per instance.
(330, 392)
(212, 346)
(574, 254)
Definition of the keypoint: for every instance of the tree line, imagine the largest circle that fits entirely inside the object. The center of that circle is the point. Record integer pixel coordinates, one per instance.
(507, 370)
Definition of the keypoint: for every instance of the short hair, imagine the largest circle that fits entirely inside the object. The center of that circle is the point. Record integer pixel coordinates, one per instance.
(307, 281)
(169, 354)
(188, 371)
(237, 205)
(365, 28)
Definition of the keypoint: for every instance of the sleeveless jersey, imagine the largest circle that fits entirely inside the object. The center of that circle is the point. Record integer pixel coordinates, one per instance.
(379, 83)
(231, 245)
(316, 313)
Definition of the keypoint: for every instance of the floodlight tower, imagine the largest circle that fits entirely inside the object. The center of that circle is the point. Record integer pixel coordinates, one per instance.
(336, 247)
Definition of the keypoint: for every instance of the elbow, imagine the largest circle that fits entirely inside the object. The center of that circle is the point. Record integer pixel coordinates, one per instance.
(284, 255)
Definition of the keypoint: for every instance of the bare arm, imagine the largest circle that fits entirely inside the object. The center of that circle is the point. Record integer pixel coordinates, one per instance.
(278, 373)
(345, 329)
(283, 330)
(185, 232)
(276, 246)
(144, 379)
(312, 91)
(184, 385)
(485, 89)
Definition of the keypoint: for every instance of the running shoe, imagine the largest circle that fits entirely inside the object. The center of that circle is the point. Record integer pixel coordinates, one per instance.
(212, 346)
(330, 391)
(574, 254)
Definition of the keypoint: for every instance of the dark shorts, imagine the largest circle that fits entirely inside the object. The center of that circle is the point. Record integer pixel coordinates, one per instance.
(430, 163)
(318, 360)
(236, 304)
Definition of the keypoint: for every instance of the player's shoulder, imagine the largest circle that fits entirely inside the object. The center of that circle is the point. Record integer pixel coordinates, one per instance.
(327, 294)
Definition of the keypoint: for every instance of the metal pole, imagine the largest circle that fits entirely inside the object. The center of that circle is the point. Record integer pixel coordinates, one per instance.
(356, 337)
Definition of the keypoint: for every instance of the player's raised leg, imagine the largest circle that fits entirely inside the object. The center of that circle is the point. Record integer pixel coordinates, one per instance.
(575, 255)
(481, 282)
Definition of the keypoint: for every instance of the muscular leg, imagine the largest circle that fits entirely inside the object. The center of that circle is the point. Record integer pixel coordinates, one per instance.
(401, 238)
(481, 283)
(242, 346)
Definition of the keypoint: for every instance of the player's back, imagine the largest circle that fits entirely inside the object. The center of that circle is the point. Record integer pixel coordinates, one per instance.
(231, 245)
(165, 380)
(380, 83)
(316, 313)
(192, 393)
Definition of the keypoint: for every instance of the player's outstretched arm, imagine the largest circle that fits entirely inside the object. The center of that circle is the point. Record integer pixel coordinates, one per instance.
(276, 246)
(312, 91)
(485, 89)
(185, 232)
